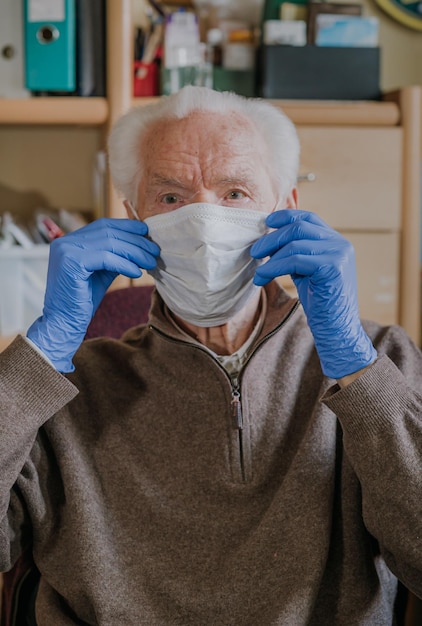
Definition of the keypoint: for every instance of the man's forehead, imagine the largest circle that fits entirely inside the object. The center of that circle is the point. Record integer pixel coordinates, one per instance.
(190, 167)
(215, 151)
(200, 128)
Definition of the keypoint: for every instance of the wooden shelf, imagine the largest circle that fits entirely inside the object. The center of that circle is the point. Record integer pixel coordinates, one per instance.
(335, 113)
(136, 102)
(359, 113)
(54, 111)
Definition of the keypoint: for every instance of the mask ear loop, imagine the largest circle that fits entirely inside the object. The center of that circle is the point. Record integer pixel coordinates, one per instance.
(134, 213)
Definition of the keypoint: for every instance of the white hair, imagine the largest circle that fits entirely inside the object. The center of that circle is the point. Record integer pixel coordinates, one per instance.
(277, 130)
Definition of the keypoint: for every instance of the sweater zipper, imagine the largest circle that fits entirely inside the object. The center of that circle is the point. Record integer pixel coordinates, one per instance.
(235, 382)
(238, 420)
(236, 393)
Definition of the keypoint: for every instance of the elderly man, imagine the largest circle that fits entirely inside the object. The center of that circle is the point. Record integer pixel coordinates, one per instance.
(242, 459)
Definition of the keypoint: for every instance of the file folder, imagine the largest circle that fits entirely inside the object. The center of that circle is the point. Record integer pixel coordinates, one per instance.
(50, 45)
(90, 48)
(12, 82)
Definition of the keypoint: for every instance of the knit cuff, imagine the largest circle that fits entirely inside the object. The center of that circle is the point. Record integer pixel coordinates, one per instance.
(31, 384)
(375, 400)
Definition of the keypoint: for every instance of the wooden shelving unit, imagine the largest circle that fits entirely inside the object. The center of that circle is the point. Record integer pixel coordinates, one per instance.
(399, 112)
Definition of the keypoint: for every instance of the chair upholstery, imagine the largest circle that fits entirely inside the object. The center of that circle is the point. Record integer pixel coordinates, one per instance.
(119, 310)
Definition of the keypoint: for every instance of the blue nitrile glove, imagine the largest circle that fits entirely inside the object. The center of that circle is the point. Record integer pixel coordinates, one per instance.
(82, 265)
(322, 265)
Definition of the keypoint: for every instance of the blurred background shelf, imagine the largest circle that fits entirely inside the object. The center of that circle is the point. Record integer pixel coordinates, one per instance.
(332, 113)
(54, 111)
(339, 113)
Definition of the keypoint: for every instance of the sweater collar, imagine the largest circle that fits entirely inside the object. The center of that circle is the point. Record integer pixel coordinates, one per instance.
(279, 306)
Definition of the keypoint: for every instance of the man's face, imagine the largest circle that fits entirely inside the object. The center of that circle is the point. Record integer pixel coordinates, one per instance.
(208, 157)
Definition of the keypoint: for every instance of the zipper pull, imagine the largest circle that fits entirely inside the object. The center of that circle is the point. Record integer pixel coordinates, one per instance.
(237, 408)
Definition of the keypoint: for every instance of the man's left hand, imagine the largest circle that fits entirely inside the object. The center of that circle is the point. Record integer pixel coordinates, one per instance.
(322, 265)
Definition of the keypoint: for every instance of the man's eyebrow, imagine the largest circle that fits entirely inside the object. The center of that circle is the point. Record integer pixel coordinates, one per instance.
(244, 181)
(162, 180)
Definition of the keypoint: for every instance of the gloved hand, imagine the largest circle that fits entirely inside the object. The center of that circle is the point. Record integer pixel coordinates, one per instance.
(322, 265)
(82, 265)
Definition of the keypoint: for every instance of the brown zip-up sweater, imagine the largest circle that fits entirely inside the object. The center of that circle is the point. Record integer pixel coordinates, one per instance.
(148, 502)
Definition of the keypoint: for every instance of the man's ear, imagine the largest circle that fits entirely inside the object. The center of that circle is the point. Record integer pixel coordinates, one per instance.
(131, 213)
(292, 200)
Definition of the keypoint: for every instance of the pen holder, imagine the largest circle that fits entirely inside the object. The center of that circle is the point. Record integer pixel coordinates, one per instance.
(146, 79)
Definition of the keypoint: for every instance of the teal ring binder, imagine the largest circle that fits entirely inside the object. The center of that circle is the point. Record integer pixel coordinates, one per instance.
(50, 45)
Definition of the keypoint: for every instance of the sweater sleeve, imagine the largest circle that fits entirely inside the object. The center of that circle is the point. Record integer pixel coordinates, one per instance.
(31, 391)
(381, 417)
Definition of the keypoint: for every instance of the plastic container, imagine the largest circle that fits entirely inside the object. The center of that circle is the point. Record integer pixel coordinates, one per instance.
(23, 275)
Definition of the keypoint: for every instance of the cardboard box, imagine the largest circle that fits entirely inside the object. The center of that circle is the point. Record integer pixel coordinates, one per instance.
(320, 73)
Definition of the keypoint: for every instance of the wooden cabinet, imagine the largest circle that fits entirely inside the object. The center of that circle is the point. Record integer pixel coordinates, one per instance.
(360, 172)
(355, 176)
(359, 168)
(352, 178)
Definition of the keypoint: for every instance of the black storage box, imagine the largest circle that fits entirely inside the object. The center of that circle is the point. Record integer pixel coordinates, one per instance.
(242, 82)
(320, 73)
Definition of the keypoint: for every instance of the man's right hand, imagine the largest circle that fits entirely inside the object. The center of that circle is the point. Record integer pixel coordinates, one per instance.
(82, 266)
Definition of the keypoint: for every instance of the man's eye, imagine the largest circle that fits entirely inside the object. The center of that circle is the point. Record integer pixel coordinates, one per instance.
(236, 195)
(170, 198)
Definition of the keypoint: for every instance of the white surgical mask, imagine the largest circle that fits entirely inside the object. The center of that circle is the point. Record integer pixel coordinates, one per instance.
(204, 272)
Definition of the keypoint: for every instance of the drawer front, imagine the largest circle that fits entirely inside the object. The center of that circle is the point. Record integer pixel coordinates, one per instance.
(357, 172)
(377, 266)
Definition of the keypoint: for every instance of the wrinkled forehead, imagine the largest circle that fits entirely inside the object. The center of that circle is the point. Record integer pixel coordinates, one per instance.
(203, 133)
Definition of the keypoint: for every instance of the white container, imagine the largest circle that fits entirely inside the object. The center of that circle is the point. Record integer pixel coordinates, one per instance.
(23, 276)
(181, 40)
(239, 56)
(285, 32)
